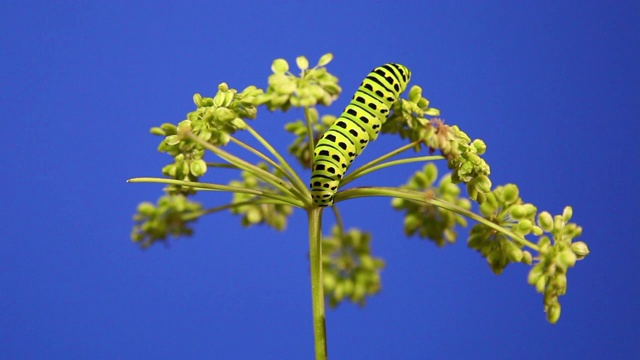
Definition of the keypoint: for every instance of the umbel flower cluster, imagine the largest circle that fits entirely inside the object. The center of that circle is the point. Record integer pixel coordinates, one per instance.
(505, 228)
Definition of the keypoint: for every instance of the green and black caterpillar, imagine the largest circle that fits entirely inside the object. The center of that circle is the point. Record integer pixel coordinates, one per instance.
(359, 123)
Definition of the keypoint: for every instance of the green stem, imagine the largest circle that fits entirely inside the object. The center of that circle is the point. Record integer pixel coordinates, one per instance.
(364, 171)
(264, 175)
(296, 181)
(420, 197)
(336, 214)
(307, 118)
(317, 291)
(218, 187)
(196, 214)
(355, 173)
(301, 194)
(221, 165)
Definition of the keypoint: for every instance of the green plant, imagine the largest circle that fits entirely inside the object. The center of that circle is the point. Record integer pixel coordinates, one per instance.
(506, 230)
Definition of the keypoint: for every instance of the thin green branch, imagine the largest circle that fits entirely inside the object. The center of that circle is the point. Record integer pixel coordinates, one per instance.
(270, 162)
(296, 181)
(373, 168)
(355, 173)
(221, 165)
(197, 214)
(420, 197)
(310, 135)
(219, 187)
(264, 175)
(336, 214)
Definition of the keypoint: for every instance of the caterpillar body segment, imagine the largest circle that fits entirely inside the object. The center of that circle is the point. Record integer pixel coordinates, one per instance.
(358, 125)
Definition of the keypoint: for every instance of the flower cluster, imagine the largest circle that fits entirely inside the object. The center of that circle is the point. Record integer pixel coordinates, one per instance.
(556, 250)
(468, 167)
(169, 217)
(349, 269)
(557, 253)
(408, 118)
(213, 121)
(504, 208)
(314, 85)
(429, 221)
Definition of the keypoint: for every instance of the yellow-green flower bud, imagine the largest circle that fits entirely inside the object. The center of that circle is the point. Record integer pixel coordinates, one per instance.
(541, 283)
(524, 226)
(172, 140)
(197, 99)
(415, 94)
(325, 59)
(560, 283)
(553, 313)
(514, 253)
(218, 100)
(545, 220)
(509, 194)
(254, 216)
(302, 62)
(329, 281)
(480, 146)
(198, 167)
(146, 208)
(280, 66)
(580, 249)
(157, 131)
(558, 222)
(567, 213)
(567, 258)
(518, 212)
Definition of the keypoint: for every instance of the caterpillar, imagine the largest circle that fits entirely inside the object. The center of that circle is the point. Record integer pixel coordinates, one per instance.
(359, 124)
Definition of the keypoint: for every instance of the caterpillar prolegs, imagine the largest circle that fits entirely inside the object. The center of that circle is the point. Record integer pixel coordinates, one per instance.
(355, 128)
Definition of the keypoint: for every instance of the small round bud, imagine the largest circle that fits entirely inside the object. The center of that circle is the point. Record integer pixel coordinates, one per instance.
(530, 209)
(553, 313)
(567, 258)
(325, 59)
(198, 167)
(329, 280)
(483, 183)
(254, 216)
(197, 99)
(302, 62)
(558, 222)
(415, 94)
(510, 194)
(545, 220)
(518, 212)
(541, 284)
(172, 140)
(157, 131)
(146, 208)
(567, 213)
(480, 146)
(515, 254)
(280, 66)
(534, 274)
(560, 282)
(580, 249)
(524, 226)
(431, 172)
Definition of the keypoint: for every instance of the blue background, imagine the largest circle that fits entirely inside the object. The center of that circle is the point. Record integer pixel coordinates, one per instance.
(552, 87)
